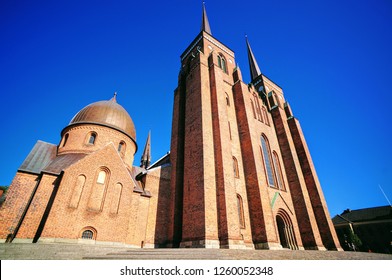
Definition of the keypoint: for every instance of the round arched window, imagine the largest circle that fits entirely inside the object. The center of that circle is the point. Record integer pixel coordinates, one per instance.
(87, 234)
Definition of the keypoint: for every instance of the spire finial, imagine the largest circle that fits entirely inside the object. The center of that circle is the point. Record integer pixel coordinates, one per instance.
(205, 25)
(254, 67)
(114, 98)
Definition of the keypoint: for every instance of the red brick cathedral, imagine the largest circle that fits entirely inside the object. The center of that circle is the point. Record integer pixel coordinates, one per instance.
(239, 174)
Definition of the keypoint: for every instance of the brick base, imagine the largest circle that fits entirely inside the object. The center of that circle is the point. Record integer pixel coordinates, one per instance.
(205, 243)
(268, 246)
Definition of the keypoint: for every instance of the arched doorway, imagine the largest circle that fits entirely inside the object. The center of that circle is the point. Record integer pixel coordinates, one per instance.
(285, 230)
(281, 231)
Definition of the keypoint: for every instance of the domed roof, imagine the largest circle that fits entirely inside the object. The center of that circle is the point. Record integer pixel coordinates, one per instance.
(108, 113)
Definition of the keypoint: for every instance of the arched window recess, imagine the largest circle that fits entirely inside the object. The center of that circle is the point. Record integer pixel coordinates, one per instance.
(235, 168)
(92, 138)
(222, 63)
(266, 155)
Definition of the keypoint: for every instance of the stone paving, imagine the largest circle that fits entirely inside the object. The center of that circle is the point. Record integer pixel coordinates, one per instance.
(99, 252)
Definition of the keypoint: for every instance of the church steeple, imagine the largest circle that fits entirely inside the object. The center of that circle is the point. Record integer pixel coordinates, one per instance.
(146, 157)
(205, 25)
(254, 67)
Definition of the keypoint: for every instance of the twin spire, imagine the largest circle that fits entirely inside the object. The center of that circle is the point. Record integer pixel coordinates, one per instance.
(254, 67)
(205, 25)
(146, 157)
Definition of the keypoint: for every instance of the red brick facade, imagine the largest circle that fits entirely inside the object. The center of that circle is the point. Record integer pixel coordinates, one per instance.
(240, 174)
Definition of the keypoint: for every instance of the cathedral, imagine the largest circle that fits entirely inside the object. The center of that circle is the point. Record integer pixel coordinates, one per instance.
(239, 174)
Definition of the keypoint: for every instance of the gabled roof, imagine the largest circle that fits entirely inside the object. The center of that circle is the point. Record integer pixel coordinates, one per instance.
(62, 162)
(363, 215)
(39, 157)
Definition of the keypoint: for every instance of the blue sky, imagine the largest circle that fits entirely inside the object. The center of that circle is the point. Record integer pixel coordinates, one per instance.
(332, 58)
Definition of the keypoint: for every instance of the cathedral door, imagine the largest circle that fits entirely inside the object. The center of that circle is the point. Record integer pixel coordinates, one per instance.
(282, 232)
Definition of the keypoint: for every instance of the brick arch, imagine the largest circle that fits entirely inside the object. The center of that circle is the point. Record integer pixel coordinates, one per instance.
(86, 229)
(285, 229)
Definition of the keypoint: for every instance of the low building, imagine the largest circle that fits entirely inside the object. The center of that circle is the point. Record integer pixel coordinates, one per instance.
(373, 226)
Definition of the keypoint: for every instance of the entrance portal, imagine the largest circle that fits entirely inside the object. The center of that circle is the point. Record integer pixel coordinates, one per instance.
(285, 230)
(281, 230)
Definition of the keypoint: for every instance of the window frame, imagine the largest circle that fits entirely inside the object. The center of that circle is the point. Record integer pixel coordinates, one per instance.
(92, 138)
(267, 161)
(86, 234)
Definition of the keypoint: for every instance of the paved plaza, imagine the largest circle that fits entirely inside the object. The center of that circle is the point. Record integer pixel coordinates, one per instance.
(38, 251)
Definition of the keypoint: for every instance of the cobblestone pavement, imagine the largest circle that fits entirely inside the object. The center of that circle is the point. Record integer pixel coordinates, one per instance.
(78, 252)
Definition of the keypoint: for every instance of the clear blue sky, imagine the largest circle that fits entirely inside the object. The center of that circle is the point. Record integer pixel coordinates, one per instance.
(332, 58)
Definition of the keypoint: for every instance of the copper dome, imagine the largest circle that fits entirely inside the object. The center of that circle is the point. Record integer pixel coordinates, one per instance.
(108, 113)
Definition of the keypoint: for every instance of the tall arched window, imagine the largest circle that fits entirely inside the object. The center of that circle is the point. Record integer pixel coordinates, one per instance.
(222, 63)
(235, 168)
(240, 208)
(267, 161)
(227, 100)
(278, 171)
(92, 138)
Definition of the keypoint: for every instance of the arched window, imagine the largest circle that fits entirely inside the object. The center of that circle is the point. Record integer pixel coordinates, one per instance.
(87, 234)
(92, 138)
(278, 171)
(267, 161)
(235, 168)
(101, 177)
(65, 139)
(240, 208)
(121, 148)
(222, 63)
(227, 100)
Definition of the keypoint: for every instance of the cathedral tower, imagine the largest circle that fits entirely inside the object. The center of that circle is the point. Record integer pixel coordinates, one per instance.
(242, 176)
